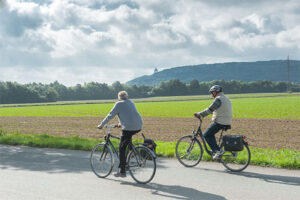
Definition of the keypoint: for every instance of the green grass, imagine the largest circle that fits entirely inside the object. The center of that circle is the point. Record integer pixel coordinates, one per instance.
(152, 99)
(284, 158)
(45, 140)
(287, 107)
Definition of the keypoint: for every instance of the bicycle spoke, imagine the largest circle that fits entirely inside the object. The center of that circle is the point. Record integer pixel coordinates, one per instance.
(236, 160)
(188, 151)
(142, 166)
(101, 160)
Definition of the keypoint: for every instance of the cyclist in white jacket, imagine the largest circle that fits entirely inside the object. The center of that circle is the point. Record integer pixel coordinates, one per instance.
(130, 121)
(221, 109)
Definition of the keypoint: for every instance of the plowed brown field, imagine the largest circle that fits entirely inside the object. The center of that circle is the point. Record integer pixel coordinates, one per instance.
(265, 133)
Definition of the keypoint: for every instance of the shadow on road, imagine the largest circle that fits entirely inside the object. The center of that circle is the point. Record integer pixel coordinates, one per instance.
(287, 180)
(48, 160)
(174, 191)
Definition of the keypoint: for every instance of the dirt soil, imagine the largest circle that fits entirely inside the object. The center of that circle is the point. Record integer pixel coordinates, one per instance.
(265, 133)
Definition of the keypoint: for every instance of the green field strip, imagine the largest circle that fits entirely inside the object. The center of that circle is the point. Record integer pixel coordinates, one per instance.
(153, 99)
(287, 107)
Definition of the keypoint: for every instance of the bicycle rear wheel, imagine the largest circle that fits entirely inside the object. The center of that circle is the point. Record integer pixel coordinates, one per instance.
(102, 160)
(236, 161)
(189, 151)
(141, 164)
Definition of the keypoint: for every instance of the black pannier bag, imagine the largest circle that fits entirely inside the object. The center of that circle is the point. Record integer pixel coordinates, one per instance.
(233, 142)
(149, 143)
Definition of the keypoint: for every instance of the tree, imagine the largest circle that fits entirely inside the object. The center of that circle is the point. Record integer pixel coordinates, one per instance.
(63, 91)
(194, 87)
(170, 88)
(78, 92)
(117, 87)
(51, 95)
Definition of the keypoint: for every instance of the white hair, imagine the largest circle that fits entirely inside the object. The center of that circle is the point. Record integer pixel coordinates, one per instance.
(123, 95)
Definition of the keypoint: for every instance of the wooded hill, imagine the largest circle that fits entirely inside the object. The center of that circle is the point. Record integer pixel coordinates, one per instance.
(274, 70)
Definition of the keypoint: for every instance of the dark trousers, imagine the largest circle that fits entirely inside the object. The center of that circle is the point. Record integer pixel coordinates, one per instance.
(209, 135)
(125, 140)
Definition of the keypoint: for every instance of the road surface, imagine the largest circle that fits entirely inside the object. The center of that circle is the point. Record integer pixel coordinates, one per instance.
(35, 173)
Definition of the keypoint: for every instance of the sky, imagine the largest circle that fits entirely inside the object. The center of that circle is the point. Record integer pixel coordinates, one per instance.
(76, 42)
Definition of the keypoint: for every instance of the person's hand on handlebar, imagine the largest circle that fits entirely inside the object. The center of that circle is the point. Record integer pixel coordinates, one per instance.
(197, 115)
(100, 127)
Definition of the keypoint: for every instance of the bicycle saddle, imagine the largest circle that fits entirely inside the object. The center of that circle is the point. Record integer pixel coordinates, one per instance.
(226, 127)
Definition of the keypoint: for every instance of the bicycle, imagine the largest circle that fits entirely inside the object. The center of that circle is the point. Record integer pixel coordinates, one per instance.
(189, 151)
(140, 160)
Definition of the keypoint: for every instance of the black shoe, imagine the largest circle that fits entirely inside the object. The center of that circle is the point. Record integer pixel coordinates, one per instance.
(120, 174)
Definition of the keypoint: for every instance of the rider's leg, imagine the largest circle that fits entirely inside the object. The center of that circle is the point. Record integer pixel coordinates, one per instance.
(209, 136)
(125, 139)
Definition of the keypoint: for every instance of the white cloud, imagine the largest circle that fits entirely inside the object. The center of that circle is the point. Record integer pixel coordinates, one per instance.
(133, 37)
(289, 38)
(69, 75)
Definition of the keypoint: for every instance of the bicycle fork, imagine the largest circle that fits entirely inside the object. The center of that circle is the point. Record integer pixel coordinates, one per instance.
(103, 154)
(190, 147)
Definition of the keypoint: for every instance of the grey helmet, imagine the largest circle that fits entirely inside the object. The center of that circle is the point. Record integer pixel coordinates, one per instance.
(215, 88)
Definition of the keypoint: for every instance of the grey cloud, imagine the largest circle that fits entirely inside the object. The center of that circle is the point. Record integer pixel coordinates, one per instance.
(14, 23)
(235, 3)
(111, 5)
(64, 17)
(270, 24)
(140, 34)
(273, 24)
(23, 58)
(2, 3)
(40, 2)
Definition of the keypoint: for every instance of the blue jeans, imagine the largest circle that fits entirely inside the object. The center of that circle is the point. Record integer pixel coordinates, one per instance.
(209, 135)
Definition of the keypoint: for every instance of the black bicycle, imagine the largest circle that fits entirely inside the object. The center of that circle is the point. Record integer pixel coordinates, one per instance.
(141, 161)
(189, 151)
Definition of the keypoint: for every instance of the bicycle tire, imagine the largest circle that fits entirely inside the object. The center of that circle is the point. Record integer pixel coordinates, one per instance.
(141, 164)
(191, 149)
(236, 161)
(102, 160)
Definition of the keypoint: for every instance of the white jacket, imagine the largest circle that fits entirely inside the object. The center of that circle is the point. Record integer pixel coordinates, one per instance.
(223, 114)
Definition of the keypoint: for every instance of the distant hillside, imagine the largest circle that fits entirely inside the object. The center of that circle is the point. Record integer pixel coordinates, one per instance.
(274, 70)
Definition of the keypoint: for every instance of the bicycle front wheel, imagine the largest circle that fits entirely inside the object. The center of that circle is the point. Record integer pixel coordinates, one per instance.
(189, 151)
(236, 161)
(102, 160)
(141, 164)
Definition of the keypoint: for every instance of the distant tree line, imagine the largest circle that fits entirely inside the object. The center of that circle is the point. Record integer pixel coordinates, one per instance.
(12, 92)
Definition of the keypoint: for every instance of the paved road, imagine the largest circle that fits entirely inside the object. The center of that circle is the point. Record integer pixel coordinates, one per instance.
(34, 173)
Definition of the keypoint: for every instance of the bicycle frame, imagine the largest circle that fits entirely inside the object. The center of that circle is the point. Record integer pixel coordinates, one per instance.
(199, 132)
(130, 145)
(190, 158)
(108, 142)
(139, 159)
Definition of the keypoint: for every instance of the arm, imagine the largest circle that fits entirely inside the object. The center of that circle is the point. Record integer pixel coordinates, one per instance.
(114, 111)
(215, 105)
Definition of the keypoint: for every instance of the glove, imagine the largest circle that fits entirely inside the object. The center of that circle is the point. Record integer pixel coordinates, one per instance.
(197, 115)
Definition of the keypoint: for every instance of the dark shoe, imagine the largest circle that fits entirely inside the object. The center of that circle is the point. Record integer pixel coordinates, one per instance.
(119, 174)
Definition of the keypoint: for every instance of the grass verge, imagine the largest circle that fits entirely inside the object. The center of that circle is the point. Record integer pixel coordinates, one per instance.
(283, 158)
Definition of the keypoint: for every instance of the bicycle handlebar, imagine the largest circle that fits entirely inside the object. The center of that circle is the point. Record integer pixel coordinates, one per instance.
(200, 118)
(111, 126)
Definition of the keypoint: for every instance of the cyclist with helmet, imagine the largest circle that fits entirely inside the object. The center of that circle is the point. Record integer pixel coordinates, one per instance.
(222, 116)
